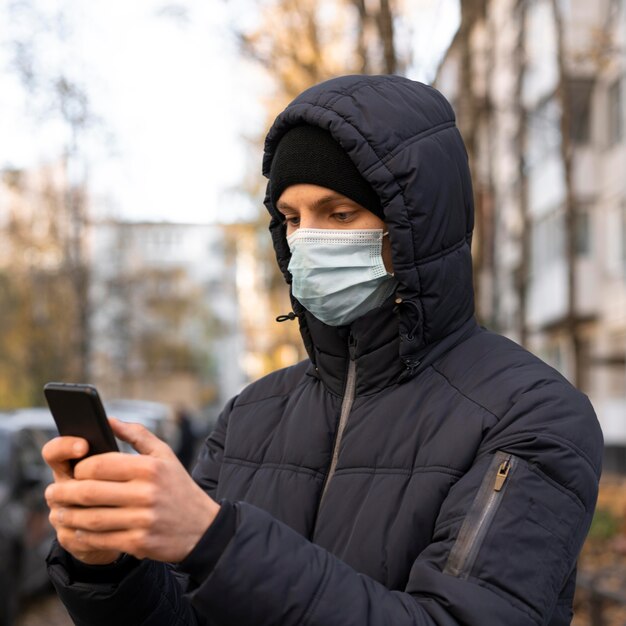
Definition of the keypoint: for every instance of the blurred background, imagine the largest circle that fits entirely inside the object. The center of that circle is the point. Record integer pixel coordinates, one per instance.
(134, 251)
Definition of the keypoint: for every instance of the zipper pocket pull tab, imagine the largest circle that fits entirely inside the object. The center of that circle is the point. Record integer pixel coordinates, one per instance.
(501, 476)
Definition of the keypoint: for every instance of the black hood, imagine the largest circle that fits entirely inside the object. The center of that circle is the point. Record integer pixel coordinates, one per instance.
(402, 137)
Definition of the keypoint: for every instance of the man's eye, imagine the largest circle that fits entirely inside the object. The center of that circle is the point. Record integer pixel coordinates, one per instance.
(292, 220)
(342, 216)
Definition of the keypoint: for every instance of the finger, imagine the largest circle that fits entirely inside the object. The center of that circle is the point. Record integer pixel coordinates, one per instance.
(140, 438)
(116, 466)
(58, 452)
(102, 519)
(96, 493)
(135, 541)
(66, 537)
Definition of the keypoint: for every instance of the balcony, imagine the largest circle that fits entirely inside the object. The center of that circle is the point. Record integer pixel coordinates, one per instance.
(547, 297)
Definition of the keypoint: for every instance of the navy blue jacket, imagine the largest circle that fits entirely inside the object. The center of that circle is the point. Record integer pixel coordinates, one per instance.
(417, 469)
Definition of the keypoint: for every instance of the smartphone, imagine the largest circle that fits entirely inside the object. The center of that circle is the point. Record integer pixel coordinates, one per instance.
(78, 411)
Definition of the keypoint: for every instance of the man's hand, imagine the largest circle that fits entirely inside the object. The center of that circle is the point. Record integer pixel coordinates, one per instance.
(146, 505)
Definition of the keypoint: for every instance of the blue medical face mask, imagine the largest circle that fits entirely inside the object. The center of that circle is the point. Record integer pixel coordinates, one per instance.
(339, 275)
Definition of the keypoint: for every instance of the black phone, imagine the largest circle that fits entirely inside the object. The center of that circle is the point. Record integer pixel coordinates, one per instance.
(78, 411)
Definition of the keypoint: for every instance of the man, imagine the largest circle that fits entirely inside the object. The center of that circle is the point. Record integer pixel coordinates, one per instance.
(186, 440)
(417, 470)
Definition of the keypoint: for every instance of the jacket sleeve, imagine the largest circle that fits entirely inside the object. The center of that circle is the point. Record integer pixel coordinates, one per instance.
(504, 548)
(142, 593)
(147, 594)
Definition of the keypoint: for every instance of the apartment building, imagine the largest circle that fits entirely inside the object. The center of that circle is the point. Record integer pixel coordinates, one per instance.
(539, 88)
(165, 322)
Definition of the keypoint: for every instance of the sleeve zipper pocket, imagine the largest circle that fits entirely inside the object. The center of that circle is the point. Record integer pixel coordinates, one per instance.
(480, 515)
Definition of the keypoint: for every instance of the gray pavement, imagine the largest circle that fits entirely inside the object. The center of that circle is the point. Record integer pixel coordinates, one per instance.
(43, 610)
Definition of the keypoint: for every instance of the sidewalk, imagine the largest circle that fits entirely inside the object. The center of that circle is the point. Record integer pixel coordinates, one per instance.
(44, 610)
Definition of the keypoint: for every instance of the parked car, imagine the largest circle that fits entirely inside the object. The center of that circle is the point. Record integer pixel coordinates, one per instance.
(25, 532)
(155, 416)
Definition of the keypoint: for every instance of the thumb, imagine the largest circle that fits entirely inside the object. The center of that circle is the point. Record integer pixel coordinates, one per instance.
(140, 438)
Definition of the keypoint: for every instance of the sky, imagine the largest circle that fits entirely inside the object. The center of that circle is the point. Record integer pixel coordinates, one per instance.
(173, 101)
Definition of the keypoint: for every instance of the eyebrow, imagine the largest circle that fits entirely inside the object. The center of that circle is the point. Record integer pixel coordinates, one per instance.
(327, 199)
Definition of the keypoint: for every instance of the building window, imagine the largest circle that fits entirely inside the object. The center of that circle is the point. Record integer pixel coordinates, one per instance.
(544, 132)
(548, 240)
(623, 239)
(583, 232)
(549, 237)
(579, 93)
(615, 366)
(615, 117)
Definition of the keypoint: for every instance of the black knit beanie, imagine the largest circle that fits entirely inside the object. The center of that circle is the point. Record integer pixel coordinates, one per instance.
(309, 154)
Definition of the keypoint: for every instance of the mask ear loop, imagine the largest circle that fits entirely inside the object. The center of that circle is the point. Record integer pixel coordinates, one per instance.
(384, 235)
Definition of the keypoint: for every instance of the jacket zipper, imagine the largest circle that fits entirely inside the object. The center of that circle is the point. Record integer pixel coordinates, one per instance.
(480, 516)
(346, 407)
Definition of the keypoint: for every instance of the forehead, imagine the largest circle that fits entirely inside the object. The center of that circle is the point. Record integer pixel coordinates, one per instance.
(306, 196)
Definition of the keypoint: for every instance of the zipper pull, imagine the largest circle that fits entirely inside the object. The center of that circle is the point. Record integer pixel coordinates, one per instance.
(501, 476)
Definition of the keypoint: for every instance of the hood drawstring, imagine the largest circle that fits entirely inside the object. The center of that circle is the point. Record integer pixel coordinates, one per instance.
(289, 316)
(410, 361)
(411, 335)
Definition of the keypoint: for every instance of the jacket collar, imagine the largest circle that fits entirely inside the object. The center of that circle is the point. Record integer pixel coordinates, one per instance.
(372, 341)
(375, 343)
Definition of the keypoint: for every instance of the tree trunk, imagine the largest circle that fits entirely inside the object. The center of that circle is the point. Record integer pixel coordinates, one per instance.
(571, 321)
(77, 265)
(468, 121)
(386, 34)
(522, 147)
(361, 47)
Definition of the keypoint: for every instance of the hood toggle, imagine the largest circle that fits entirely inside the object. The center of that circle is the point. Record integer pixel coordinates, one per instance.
(287, 317)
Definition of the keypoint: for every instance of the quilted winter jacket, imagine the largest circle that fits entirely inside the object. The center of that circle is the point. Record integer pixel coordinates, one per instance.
(416, 469)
